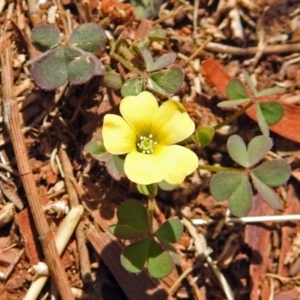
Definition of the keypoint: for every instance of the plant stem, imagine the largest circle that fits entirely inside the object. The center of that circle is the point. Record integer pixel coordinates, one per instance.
(150, 212)
(12, 122)
(219, 169)
(126, 64)
(234, 116)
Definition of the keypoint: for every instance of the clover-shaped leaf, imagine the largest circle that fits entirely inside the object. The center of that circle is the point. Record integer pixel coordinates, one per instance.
(166, 82)
(45, 37)
(171, 230)
(115, 166)
(132, 87)
(147, 56)
(272, 111)
(163, 61)
(257, 149)
(133, 220)
(266, 192)
(269, 91)
(88, 36)
(97, 150)
(235, 187)
(113, 80)
(249, 82)
(159, 262)
(235, 90)
(273, 173)
(263, 125)
(50, 71)
(81, 69)
(134, 256)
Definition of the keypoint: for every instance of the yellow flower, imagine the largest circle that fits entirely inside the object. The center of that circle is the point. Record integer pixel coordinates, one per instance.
(147, 133)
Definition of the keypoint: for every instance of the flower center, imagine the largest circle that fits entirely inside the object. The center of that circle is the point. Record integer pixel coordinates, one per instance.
(146, 144)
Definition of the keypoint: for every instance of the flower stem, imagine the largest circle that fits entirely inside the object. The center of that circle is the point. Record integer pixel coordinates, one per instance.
(219, 169)
(150, 211)
(234, 116)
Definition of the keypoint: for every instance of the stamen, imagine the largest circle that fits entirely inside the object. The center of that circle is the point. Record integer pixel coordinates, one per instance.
(146, 144)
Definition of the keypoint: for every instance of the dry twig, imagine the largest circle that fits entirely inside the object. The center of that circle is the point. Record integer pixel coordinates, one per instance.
(12, 122)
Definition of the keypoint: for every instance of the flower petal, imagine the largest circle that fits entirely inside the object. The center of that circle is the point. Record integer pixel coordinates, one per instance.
(169, 163)
(143, 168)
(172, 123)
(177, 162)
(118, 136)
(138, 111)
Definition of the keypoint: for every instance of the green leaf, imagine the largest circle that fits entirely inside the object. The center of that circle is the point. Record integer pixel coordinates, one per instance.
(134, 256)
(97, 150)
(235, 90)
(204, 135)
(113, 80)
(50, 71)
(266, 192)
(81, 69)
(122, 231)
(163, 61)
(270, 91)
(171, 230)
(88, 36)
(257, 149)
(132, 87)
(230, 103)
(133, 214)
(146, 9)
(240, 201)
(235, 187)
(237, 150)
(172, 251)
(273, 173)
(45, 37)
(272, 111)
(166, 82)
(263, 126)
(147, 57)
(159, 262)
(223, 185)
(249, 82)
(115, 166)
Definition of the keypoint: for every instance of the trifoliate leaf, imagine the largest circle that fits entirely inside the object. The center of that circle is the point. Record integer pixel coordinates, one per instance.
(171, 230)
